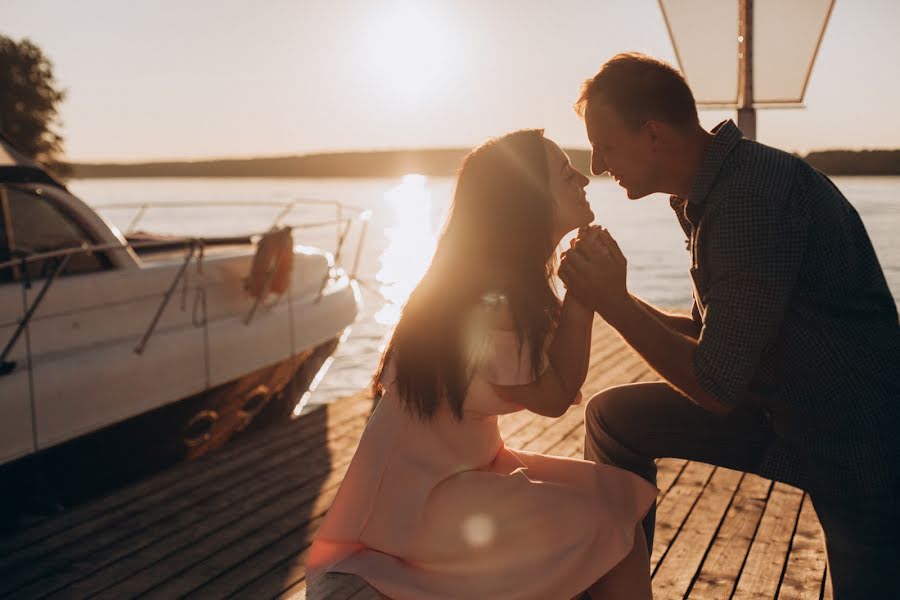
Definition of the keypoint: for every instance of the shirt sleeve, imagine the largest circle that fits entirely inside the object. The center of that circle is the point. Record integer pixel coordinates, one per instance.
(695, 314)
(754, 249)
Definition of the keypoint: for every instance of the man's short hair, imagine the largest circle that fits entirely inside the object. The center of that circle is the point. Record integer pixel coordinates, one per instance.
(639, 87)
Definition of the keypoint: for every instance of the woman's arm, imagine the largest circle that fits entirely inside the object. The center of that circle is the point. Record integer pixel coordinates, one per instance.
(553, 392)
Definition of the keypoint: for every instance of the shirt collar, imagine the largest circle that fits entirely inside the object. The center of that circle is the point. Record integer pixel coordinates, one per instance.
(726, 135)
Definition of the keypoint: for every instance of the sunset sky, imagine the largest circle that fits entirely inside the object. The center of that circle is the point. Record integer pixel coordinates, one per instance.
(227, 78)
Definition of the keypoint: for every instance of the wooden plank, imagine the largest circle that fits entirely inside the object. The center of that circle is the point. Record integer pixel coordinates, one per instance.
(278, 580)
(676, 570)
(77, 524)
(295, 592)
(672, 511)
(605, 344)
(79, 561)
(158, 522)
(765, 562)
(565, 436)
(168, 555)
(173, 480)
(571, 444)
(293, 513)
(512, 422)
(339, 586)
(719, 573)
(829, 591)
(668, 470)
(805, 574)
(568, 421)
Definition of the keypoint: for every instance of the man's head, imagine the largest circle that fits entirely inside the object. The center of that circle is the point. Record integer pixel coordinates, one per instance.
(637, 111)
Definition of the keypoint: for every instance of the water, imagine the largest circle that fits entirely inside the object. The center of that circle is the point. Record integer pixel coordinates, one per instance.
(406, 217)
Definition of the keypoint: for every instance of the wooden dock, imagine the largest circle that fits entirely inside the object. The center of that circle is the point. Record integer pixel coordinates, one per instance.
(238, 523)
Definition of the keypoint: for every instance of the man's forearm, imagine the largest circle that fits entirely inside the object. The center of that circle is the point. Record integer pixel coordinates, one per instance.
(683, 324)
(667, 350)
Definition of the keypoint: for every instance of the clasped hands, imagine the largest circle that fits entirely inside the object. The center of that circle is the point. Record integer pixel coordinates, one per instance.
(595, 270)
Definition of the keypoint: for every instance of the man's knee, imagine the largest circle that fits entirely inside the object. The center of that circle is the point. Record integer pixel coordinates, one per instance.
(607, 436)
(607, 409)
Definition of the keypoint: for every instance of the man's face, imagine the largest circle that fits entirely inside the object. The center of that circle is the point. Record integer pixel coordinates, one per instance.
(627, 154)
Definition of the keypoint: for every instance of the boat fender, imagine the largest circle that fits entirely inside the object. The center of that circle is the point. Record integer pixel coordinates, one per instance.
(272, 264)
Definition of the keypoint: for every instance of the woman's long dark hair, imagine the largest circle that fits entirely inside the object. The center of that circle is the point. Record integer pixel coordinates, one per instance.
(497, 239)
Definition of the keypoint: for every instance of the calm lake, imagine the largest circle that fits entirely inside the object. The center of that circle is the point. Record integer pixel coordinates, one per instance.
(406, 216)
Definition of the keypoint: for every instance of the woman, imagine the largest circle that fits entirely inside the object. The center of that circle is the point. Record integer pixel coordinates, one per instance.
(433, 505)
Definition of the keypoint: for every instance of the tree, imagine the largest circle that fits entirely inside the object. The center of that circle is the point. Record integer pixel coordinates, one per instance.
(29, 97)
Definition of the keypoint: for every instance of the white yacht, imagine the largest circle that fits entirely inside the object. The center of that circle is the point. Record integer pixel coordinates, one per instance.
(123, 353)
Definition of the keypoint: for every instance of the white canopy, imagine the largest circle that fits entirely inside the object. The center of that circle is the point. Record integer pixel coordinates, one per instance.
(786, 38)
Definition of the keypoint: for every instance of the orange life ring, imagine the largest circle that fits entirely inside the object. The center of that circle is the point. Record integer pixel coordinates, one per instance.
(274, 260)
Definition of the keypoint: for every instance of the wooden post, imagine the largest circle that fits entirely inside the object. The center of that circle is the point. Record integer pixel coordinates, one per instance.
(746, 114)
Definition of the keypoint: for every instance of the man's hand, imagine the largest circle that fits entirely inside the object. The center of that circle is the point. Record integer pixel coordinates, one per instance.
(595, 270)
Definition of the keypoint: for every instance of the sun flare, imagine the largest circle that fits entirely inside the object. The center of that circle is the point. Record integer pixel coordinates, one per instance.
(411, 243)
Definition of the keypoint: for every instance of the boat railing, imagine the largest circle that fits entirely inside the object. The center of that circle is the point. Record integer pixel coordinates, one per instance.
(284, 209)
(194, 250)
(342, 223)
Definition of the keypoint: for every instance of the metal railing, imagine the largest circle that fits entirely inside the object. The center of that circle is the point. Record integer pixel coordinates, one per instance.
(191, 244)
(341, 223)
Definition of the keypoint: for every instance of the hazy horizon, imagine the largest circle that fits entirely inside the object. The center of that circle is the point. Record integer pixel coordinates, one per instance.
(229, 80)
(224, 158)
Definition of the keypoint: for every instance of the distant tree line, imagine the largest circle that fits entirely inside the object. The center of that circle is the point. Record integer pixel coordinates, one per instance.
(863, 162)
(437, 162)
(382, 163)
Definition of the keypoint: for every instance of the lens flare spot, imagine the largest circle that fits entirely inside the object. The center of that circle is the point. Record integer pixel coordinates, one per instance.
(479, 530)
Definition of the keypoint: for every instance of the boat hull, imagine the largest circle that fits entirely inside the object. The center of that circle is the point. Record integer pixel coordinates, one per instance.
(83, 468)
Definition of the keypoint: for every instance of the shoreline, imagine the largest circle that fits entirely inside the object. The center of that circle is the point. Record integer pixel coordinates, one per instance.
(433, 162)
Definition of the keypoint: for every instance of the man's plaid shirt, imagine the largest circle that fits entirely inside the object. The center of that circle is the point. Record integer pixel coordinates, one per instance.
(794, 307)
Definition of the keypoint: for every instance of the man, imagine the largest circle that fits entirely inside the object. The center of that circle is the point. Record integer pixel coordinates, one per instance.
(789, 365)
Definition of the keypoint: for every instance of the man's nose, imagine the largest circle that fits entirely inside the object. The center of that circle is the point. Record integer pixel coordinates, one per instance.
(598, 165)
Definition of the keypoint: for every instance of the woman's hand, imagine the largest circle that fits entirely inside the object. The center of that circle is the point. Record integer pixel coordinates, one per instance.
(595, 270)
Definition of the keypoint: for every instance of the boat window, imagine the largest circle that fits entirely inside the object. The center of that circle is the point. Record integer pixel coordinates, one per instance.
(39, 226)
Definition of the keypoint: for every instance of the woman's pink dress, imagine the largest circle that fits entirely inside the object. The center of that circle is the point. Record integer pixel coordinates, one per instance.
(443, 510)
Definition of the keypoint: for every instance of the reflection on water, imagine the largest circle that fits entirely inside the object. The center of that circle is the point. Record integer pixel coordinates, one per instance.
(411, 240)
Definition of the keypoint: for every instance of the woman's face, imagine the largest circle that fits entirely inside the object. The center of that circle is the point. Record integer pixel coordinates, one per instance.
(570, 207)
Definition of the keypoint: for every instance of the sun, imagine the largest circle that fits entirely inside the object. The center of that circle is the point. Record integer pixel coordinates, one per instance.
(408, 50)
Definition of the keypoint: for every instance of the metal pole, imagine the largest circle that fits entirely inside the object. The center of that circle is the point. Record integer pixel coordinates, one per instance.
(746, 114)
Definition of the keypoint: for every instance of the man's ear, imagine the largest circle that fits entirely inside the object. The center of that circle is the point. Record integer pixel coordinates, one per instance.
(653, 131)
